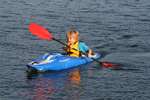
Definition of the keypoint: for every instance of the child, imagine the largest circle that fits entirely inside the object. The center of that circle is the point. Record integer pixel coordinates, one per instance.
(76, 48)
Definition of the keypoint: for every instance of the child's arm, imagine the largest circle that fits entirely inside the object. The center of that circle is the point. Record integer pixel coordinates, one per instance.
(84, 48)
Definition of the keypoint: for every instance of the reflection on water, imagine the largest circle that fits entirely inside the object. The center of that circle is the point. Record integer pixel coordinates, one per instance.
(45, 85)
(42, 89)
(75, 77)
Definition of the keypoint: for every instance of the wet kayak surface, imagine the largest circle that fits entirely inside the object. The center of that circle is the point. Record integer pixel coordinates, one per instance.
(119, 29)
(58, 62)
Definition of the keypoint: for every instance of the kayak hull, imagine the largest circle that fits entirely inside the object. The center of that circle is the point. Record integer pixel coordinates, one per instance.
(58, 62)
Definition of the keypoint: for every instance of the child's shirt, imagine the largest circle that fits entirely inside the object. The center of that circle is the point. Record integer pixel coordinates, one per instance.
(83, 47)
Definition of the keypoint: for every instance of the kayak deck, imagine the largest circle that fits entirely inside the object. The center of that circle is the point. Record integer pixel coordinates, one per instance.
(58, 62)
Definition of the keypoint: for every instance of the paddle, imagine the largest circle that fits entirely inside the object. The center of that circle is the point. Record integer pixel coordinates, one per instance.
(44, 34)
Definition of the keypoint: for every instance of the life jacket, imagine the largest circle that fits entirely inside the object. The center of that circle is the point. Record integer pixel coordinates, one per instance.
(72, 52)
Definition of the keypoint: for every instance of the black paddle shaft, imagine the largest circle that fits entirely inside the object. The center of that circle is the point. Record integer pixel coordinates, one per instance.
(60, 41)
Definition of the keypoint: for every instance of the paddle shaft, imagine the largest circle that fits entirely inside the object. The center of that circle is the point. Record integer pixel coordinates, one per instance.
(59, 41)
(75, 49)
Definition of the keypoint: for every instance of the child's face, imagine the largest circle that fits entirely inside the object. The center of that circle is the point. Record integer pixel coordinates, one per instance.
(72, 38)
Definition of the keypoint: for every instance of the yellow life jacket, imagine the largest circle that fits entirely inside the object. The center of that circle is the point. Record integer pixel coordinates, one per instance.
(73, 52)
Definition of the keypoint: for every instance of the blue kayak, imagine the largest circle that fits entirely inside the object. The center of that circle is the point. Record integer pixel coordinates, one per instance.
(58, 62)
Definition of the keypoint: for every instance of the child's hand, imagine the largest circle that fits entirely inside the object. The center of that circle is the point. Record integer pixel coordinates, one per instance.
(69, 44)
(90, 53)
(65, 48)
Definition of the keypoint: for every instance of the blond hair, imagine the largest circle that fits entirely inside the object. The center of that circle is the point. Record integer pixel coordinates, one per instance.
(70, 32)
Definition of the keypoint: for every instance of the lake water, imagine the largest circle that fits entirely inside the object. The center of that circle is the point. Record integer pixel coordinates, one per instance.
(119, 29)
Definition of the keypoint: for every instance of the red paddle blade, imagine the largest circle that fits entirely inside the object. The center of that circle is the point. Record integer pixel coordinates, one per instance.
(109, 64)
(40, 31)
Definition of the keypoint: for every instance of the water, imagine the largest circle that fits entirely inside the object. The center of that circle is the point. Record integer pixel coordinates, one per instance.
(117, 28)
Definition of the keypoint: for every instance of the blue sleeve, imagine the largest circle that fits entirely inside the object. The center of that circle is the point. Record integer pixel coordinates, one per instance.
(83, 47)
